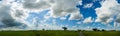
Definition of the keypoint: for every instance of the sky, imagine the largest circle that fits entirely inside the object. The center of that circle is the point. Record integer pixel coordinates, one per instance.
(55, 14)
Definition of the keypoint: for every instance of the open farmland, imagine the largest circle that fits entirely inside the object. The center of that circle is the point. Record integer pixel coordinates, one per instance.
(59, 33)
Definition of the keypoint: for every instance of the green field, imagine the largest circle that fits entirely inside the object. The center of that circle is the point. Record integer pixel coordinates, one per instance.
(39, 33)
(101, 33)
(59, 33)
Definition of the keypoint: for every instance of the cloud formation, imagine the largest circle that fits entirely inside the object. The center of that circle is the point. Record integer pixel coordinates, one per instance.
(35, 5)
(6, 18)
(64, 7)
(106, 13)
(88, 20)
(14, 13)
(58, 8)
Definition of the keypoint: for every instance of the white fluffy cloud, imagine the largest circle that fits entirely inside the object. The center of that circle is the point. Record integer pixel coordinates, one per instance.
(75, 16)
(88, 20)
(58, 8)
(88, 5)
(118, 19)
(79, 22)
(7, 1)
(63, 18)
(109, 9)
(65, 7)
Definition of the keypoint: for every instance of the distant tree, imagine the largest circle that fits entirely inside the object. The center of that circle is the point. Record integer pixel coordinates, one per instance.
(103, 30)
(83, 30)
(95, 29)
(43, 29)
(98, 30)
(113, 30)
(65, 28)
(79, 30)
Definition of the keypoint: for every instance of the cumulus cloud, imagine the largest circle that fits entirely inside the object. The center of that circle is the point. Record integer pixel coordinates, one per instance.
(108, 10)
(58, 8)
(88, 20)
(75, 16)
(65, 7)
(80, 2)
(7, 1)
(7, 19)
(118, 19)
(14, 14)
(35, 5)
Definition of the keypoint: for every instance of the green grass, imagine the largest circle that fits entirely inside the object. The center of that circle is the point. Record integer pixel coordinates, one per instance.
(58, 33)
(39, 33)
(101, 33)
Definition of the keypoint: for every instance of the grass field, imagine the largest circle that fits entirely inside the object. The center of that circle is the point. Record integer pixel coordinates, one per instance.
(101, 33)
(39, 33)
(59, 33)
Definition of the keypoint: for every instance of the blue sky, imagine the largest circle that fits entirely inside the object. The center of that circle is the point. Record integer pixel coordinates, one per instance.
(55, 14)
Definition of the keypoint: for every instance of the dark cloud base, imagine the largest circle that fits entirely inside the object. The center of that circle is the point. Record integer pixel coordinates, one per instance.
(12, 23)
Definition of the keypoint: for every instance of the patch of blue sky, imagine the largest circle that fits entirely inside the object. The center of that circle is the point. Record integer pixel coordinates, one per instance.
(118, 28)
(113, 21)
(40, 16)
(66, 21)
(89, 12)
(118, 1)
